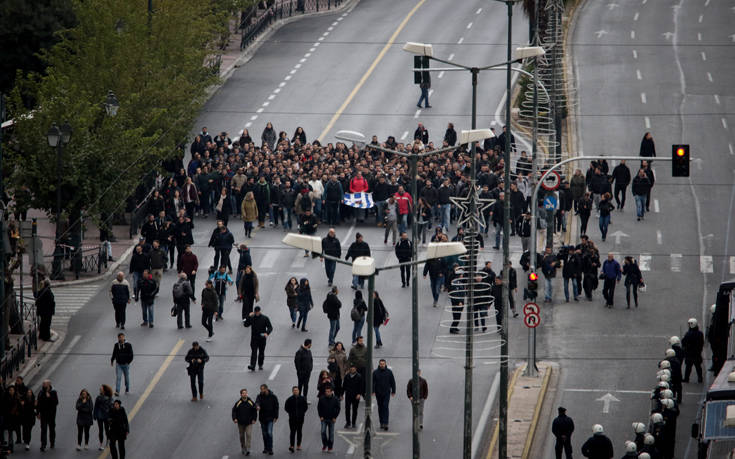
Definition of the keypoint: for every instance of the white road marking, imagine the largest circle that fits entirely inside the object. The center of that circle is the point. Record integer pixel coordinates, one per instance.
(469, 26)
(321, 38)
(269, 259)
(704, 56)
(317, 44)
(297, 66)
(635, 54)
(281, 84)
(709, 77)
(732, 265)
(479, 10)
(335, 23)
(431, 91)
(724, 123)
(299, 260)
(254, 117)
(248, 124)
(644, 262)
(325, 34)
(287, 77)
(461, 39)
(701, 17)
(647, 120)
(648, 392)
(676, 262)
(638, 74)
(271, 97)
(274, 372)
(418, 112)
(644, 2)
(389, 260)
(706, 2)
(303, 59)
(330, 28)
(717, 99)
(485, 415)
(600, 33)
(405, 134)
(260, 110)
(266, 103)
(606, 400)
(643, 97)
(451, 56)
(441, 74)
(656, 207)
(705, 263)
(699, 36)
(276, 91)
(349, 232)
(292, 71)
(311, 50)
(635, 18)
(659, 237)
(632, 34)
(729, 145)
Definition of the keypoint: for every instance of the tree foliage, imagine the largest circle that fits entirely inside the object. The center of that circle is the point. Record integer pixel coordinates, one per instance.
(158, 76)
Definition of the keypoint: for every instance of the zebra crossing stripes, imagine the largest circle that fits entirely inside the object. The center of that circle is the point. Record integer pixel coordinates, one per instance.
(705, 264)
(70, 299)
(676, 262)
(732, 265)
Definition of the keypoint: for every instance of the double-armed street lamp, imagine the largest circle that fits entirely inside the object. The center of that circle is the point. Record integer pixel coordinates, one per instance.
(365, 267)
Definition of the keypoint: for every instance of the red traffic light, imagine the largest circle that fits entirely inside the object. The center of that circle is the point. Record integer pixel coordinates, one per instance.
(680, 152)
(533, 277)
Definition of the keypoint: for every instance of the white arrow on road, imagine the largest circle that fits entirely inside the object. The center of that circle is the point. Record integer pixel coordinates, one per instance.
(617, 235)
(600, 33)
(668, 35)
(699, 162)
(606, 400)
(612, 6)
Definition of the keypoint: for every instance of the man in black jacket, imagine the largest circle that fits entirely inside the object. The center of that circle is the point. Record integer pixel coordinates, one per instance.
(244, 414)
(434, 267)
(304, 364)
(331, 247)
(147, 288)
(267, 406)
(328, 409)
(261, 328)
(562, 428)
(331, 308)
(296, 407)
(353, 386)
(122, 354)
(382, 190)
(641, 189)
(333, 194)
(139, 262)
(621, 179)
(693, 343)
(404, 251)
(646, 166)
(46, 404)
(450, 135)
(384, 387)
(197, 357)
(222, 241)
(359, 248)
(45, 308)
(598, 446)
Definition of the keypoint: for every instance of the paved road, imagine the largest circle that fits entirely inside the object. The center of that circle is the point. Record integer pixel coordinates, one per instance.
(662, 67)
(166, 424)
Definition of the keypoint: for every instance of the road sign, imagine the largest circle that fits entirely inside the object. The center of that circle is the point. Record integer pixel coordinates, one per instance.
(531, 320)
(552, 181)
(550, 202)
(531, 308)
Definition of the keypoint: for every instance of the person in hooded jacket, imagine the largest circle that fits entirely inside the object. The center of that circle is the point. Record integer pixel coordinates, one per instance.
(120, 295)
(648, 147)
(183, 295)
(249, 212)
(572, 271)
(292, 293)
(621, 179)
(331, 246)
(119, 430)
(304, 303)
(85, 418)
(46, 405)
(296, 407)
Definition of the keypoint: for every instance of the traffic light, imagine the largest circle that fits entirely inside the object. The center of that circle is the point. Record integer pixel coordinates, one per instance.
(680, 160)
(420, 62)
(532, 288)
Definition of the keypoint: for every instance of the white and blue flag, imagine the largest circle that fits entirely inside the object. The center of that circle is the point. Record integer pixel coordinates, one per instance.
(358, 200)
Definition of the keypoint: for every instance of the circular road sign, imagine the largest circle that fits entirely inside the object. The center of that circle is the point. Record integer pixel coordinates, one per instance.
(531, 320)
(530, 308)
(552, 181)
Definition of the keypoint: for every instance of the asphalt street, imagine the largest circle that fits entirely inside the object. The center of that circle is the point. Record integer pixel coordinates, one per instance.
(661, 67)
(291, 81)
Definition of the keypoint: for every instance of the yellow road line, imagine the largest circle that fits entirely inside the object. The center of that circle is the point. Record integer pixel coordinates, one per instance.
(536, 413)
(367, 74)
(511, 386)
(152, 385)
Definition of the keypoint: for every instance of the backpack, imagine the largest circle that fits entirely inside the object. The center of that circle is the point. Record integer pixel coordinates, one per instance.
(178, 291)
(355, 314)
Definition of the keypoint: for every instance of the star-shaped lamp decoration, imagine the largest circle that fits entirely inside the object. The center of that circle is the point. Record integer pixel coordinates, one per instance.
(465, 205)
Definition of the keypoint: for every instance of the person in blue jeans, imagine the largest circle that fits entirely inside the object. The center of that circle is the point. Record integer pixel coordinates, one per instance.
(328, 409)
(384, 387)
(380, 316)
(221, 280)
(606, 207)
(435, 269)
(267, 405)
(123, 355)
(304, 303)
(331, 307)
(359, 308)
(612, 273)
(548, 266)
(641, 189)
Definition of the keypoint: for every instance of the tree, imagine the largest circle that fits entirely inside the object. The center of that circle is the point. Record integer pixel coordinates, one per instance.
(158, 76)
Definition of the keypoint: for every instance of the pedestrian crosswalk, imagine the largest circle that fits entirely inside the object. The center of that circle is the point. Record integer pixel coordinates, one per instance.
(70, 299)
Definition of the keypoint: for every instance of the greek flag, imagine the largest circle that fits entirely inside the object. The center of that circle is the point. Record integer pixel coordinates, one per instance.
(358, 200)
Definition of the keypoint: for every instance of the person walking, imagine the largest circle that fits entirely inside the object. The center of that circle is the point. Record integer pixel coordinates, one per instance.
(646, 166)
(357, 314)
(337, 365)
(425, 85)
(358, 357)
(304, 364)
(85, 415)
(584, 209)
(45, 309)
(598, 446)
(189, 264)
(404, 251)
(612, 274)
(260, 329)
(120, 295)
(182, 293)
(46, 404)
(267, 406)
(633, 279)
(139, 262)
(292, 293)
(641, 189)
(27, 416)
(296, 407)
(331, 307)
(244, 415)
(328, 409)
(331, 246)
(101, 414)
(549, 263)
(353, 387)
(359, 248)
(621, 179)
(390, 211)
(222, 240)
(197, 357)
(456, 297)
(148, 289)
(605, 207)
(158, 261)
(572, 271)
(693, 343)
(380, 318)
(304, 304)
(249, 209)
(648, 147)
(384, 387)
(244, 259)
(247, 290)
(423, 395)
(210, 304)
(122, 354)
(434, 267)
(221, 280)
(119, 430)
(562, 428)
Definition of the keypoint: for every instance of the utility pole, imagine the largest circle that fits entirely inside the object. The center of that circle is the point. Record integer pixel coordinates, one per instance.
(3, 300)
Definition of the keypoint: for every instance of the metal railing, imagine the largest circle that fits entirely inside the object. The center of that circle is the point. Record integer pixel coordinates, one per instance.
(21, 346)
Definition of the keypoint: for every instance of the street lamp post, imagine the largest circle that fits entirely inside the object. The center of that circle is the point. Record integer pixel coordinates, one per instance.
(58, 138)
(365, 266)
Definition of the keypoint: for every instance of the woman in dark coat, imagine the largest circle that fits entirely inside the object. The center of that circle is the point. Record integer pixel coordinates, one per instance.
(11, 414)
(300, 135)
(223, 207)
(633, 279)
(269, 136)
(45, 308)
(248, 290)
(27, 416)
(119, 430)
(304, 302)
(245, 138)
(85, 418)
(101, 414)
(292, 292)
(648, 148)
(380, 315)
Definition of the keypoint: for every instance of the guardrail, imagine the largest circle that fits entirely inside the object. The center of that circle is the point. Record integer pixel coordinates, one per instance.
(21, 345)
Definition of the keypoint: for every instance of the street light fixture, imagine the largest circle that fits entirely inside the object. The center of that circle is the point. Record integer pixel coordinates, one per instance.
(111, 104)
(58, 138)
(365, 266)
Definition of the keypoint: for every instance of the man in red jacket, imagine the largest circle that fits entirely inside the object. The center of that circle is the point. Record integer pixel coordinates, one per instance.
(358, 184)
(189, 264)
(405, 203)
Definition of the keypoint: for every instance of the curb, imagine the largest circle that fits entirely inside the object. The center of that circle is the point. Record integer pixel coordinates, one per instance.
(537, 412)
(112, 268)
(511, 387)
(34, 364)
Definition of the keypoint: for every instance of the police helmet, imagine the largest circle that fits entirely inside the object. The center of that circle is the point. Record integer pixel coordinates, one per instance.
(667, 394)
(597, 429)
(639, 427)
(674, 340)
(649, 439)
(667, 403)
(657, 418)
(664, 364)
(692, 322)
(630, 447)
(670, 353)
(644, 456)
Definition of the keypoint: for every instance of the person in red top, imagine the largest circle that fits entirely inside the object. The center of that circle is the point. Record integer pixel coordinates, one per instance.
(404, 203)
(358, 184)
